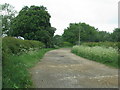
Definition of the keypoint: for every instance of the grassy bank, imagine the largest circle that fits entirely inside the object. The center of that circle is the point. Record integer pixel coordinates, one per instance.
(108, 56)
(17, 57)
(15, 70)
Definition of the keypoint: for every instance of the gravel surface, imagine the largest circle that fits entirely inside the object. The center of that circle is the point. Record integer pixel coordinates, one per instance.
(62, 69)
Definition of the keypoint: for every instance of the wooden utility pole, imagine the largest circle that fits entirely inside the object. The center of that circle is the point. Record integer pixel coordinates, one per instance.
(79, 37)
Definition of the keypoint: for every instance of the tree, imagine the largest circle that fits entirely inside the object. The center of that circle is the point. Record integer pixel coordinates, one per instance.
(103, 36)
(116, 35)
(58, 40)
(87, 33)
(8, 14)
(33, 23)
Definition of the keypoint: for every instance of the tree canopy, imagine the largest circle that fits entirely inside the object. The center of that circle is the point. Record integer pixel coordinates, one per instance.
(116, 35)
(8, 14)
(58, 40)
(33, 23)
(87, 33)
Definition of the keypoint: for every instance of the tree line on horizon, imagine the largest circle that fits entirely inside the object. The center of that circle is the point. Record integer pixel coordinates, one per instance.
(33, 23)
(88, 34)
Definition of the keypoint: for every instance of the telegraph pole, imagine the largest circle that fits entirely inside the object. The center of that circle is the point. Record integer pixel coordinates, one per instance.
(79, 37)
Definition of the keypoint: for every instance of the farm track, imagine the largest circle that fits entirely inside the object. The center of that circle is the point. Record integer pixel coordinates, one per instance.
(62, 69)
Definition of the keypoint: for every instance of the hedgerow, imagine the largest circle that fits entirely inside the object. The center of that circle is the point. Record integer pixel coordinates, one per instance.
(11, 45)
(18, 56)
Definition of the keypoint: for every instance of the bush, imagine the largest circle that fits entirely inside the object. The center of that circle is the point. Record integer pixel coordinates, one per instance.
(108, 56)
(11, 45)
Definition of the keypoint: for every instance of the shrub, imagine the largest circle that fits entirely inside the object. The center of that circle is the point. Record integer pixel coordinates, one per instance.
(11, 45)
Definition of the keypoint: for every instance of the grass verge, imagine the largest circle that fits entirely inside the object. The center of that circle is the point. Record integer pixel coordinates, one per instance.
(108, 56)
(15, 69)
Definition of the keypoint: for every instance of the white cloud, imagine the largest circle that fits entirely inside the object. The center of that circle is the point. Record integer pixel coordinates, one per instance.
(102, 14)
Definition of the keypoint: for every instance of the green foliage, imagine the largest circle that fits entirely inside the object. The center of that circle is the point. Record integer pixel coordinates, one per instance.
(18, 56)
(15, 74)
(57, 40)
(15, 69)
(102, 36)
(87, 33)
(33, 23)
(7, 17)
(66, 44)
(116, 35)
(104, 44)
(11, 45)
(108, 56)
(0, 63)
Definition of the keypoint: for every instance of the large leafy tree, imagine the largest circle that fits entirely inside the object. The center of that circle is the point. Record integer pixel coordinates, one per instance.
(116, 35)
(58, 40)
(102, 36)
(87, 33)
(33, 23)
(8, 13)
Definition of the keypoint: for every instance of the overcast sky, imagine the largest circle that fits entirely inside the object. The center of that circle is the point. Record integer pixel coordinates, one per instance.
(102, 14)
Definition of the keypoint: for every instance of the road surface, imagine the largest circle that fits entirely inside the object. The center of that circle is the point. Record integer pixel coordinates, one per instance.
(62, 69)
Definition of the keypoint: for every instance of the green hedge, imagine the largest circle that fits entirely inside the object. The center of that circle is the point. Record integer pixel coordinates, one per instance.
(14, 54)
(11, 45)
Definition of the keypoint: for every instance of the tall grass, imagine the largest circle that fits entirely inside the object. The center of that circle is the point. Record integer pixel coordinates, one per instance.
(15, 69)
(108, 56)
(18, 56)
(103, 44)
(0, 63)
